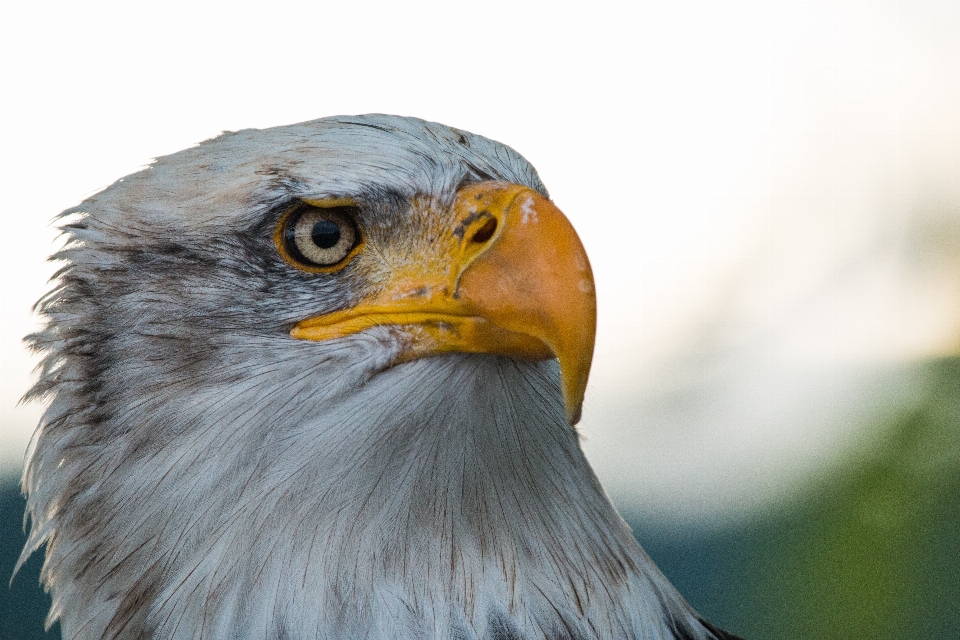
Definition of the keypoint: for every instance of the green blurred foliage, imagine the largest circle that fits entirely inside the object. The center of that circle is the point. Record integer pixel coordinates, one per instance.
(870, 550)
(873, 551)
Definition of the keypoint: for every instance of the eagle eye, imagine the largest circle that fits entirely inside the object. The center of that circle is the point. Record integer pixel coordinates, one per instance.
(319, 236)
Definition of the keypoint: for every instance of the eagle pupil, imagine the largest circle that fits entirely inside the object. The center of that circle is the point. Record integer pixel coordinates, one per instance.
(325, 234)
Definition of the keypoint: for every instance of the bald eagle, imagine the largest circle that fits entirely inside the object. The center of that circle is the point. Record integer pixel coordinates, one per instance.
(320, 381)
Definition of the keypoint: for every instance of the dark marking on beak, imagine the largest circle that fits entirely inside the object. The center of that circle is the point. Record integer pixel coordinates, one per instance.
(461, 228)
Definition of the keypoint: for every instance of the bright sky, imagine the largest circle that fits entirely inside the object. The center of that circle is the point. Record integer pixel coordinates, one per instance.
(767, 192)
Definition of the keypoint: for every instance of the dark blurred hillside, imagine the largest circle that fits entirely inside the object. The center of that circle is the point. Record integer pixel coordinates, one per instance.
(871, 550)
(23, 604)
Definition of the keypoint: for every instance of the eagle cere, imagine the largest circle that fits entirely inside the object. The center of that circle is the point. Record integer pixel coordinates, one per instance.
(319, 381)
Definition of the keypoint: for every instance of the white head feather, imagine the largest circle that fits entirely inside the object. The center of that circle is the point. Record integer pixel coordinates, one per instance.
(201, 474)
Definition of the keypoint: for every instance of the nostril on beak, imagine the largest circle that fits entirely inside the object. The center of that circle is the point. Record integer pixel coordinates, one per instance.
(485, 232)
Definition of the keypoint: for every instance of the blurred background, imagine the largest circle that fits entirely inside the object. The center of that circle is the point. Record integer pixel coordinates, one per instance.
(770, 197)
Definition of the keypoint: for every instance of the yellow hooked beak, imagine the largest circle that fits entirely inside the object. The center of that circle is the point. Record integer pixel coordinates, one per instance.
(517, 283)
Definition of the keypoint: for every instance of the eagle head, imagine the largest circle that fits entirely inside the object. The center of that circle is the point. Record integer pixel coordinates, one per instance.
(319, 381)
